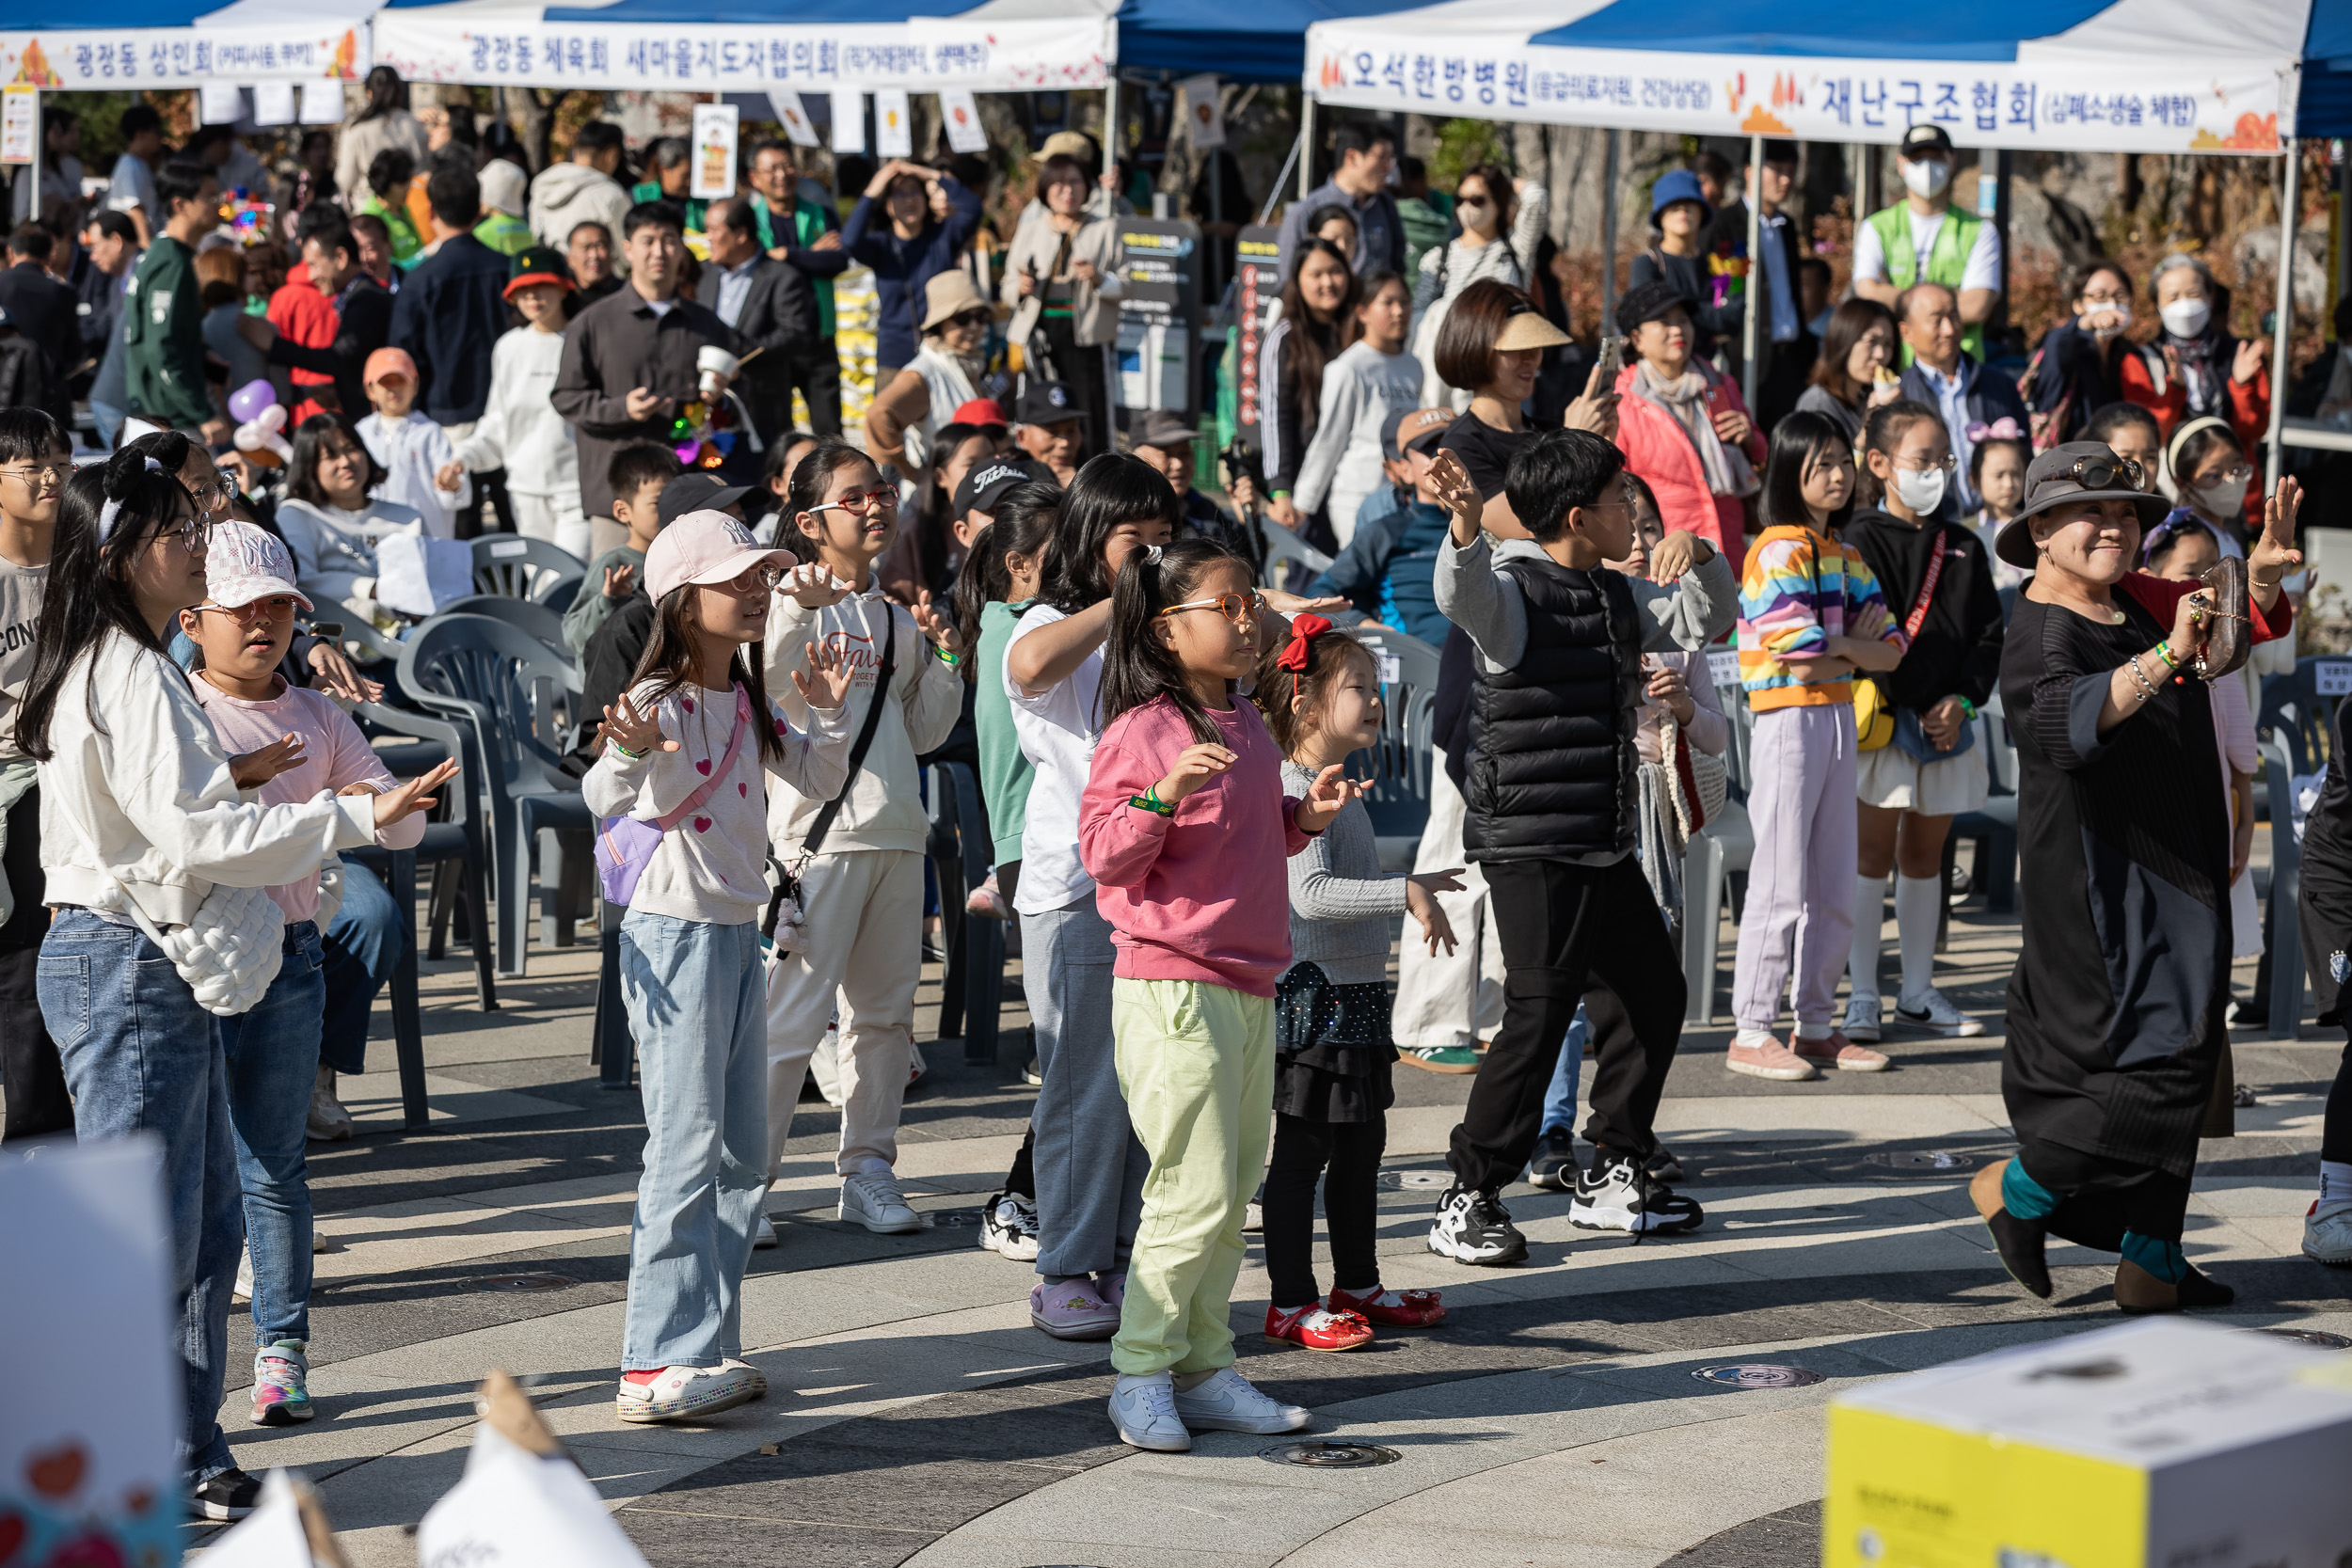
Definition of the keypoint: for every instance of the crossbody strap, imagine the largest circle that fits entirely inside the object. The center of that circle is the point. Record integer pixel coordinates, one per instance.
(817, 830)
(694, 802)
(1926, 588)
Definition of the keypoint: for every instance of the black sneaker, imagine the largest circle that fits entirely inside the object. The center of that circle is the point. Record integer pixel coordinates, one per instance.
(1614, 1196)
(1474, 1227)
(1554, 1166)
(228, 1495)
(1663, 1166)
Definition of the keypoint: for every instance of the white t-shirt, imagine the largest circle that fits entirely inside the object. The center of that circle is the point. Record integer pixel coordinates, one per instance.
(1984, 256)
(1058, 732)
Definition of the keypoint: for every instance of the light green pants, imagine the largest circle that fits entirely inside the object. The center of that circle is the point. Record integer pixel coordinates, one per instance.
(1196, 1062)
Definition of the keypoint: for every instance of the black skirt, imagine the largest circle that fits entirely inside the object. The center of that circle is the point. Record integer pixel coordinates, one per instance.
(1331, 1048)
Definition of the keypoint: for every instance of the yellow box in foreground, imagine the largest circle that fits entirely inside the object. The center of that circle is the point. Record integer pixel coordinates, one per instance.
(2159, 1443)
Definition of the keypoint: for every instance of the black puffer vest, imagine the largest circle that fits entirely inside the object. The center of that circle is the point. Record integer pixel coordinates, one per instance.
(1551, 772)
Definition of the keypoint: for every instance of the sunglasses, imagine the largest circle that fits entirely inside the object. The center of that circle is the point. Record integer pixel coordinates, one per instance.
(1234, 607)
(970, 318)
(857, 503)
(2100, 473)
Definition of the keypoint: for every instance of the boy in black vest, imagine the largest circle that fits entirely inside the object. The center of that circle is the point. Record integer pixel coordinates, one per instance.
(1553, 797)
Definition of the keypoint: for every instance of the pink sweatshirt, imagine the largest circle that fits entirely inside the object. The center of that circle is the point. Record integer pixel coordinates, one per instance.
(334, 754)
(1201, 896)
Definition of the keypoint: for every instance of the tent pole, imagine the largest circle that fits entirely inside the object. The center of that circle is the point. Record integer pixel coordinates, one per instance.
(1753, 285)
(1609, 236)
(1110, 132)
(2284, 324)
(1306, 144)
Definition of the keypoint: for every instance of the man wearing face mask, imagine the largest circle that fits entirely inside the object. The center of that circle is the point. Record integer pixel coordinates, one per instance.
(1951, 381)
(1921, 239)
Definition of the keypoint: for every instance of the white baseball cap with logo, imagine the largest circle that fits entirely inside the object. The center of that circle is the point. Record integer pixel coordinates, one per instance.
(705, 547)
(244, 563)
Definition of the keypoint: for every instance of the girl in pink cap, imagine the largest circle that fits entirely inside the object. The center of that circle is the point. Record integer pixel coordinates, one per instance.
(688, 749)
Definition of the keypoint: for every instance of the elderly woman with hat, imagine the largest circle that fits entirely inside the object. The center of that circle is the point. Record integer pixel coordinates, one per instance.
(1063, 280)
(1679, 211)
(2115, 1009)
(943, 377)
(1682, 424)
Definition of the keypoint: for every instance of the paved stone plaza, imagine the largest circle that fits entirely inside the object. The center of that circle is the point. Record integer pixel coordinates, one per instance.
(914, 1417)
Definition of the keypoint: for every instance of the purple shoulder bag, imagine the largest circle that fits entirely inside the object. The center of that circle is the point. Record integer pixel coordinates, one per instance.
(625, 844)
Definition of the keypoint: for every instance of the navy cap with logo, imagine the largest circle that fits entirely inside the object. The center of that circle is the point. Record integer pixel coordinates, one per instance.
(1048, 402)
(988, 483)
(697, 491)
(1925, 138)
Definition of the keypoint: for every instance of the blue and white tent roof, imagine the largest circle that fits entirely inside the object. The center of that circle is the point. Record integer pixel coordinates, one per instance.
(77, 46)
(731, 46)
(2126, 75)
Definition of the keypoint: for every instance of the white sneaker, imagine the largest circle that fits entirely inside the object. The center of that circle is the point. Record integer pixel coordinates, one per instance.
(765, 1237)
(874, 1201)
(684, 1393)
(1229, 1401)
(1009, 1228)
(1861, 1020)
(327, 1120)
(1143, 1408)
(2327, 1233)
(1934, 1013)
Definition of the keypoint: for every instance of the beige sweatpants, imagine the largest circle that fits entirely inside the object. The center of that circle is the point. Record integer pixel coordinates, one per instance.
(1455, 1000)
(865, 953)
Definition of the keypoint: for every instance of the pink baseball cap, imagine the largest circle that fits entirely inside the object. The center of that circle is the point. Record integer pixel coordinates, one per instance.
(245, 563)
(703, 547)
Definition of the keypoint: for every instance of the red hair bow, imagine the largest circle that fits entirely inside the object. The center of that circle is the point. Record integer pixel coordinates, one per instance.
(1303, 630)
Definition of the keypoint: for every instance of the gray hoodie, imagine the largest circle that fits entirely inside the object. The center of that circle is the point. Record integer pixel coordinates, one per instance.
(565, 195)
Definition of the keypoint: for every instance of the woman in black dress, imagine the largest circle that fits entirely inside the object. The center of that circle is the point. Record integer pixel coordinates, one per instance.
(2115, 1010)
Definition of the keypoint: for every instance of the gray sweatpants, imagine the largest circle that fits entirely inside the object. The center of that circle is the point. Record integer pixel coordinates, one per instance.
(1089, 1164)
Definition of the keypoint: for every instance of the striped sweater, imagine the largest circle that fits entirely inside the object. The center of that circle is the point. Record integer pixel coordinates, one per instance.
(1801, 589)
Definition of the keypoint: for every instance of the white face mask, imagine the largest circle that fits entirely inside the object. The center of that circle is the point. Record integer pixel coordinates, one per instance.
(1921, 491)
(2123, 318)
(1928, 177)
(2186, 318)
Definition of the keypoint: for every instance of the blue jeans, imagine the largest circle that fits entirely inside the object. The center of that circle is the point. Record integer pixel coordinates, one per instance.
(697, 1004)
(1560, 1100)
(273, 1054)
(364, 944)
(141, 1056)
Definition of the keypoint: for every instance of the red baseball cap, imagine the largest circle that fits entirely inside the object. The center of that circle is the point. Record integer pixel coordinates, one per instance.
(980, 411)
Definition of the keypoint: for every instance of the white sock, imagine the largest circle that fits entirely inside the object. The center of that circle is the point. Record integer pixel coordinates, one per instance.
(1813, 1031)
(1915, 930)
(2335, 1180)
(1753, 1038)
(1869, 919)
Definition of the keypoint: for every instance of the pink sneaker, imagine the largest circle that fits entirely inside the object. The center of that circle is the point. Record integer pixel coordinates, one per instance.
(1771, 1059)
(1072, 1310)
(1842, 1054)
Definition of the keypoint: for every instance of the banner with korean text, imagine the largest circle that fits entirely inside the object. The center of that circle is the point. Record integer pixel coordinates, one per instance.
(330, 45)
(2078, 105)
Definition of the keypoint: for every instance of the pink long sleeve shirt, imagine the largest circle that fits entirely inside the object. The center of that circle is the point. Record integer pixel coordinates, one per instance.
(1202, 895)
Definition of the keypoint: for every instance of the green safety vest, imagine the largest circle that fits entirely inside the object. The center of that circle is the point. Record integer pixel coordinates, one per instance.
(1947, 257)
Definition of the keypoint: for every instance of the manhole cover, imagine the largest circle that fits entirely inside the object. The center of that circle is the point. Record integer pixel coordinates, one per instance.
(1329, 1456)
(1420, 1180)
(2320, 1337)
(529, 1282)
(1922, 1159)
(1759, 1375)
(953, 1217)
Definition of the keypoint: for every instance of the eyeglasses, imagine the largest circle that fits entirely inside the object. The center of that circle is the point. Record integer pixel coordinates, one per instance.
(1234, 607)
(194, 536)
(759, 579)
(269, 607)
(211, 495)
(2238, 476)
(857, 503)
(1948, 464)
(2101, 473)
(42, 475)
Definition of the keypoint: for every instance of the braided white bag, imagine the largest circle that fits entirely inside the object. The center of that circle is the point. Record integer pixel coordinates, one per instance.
(228, 954)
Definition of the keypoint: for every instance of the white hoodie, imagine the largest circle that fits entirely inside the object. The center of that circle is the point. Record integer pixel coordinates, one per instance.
(520, 431)
(153, 788)
(885, 809)
(565, 195)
